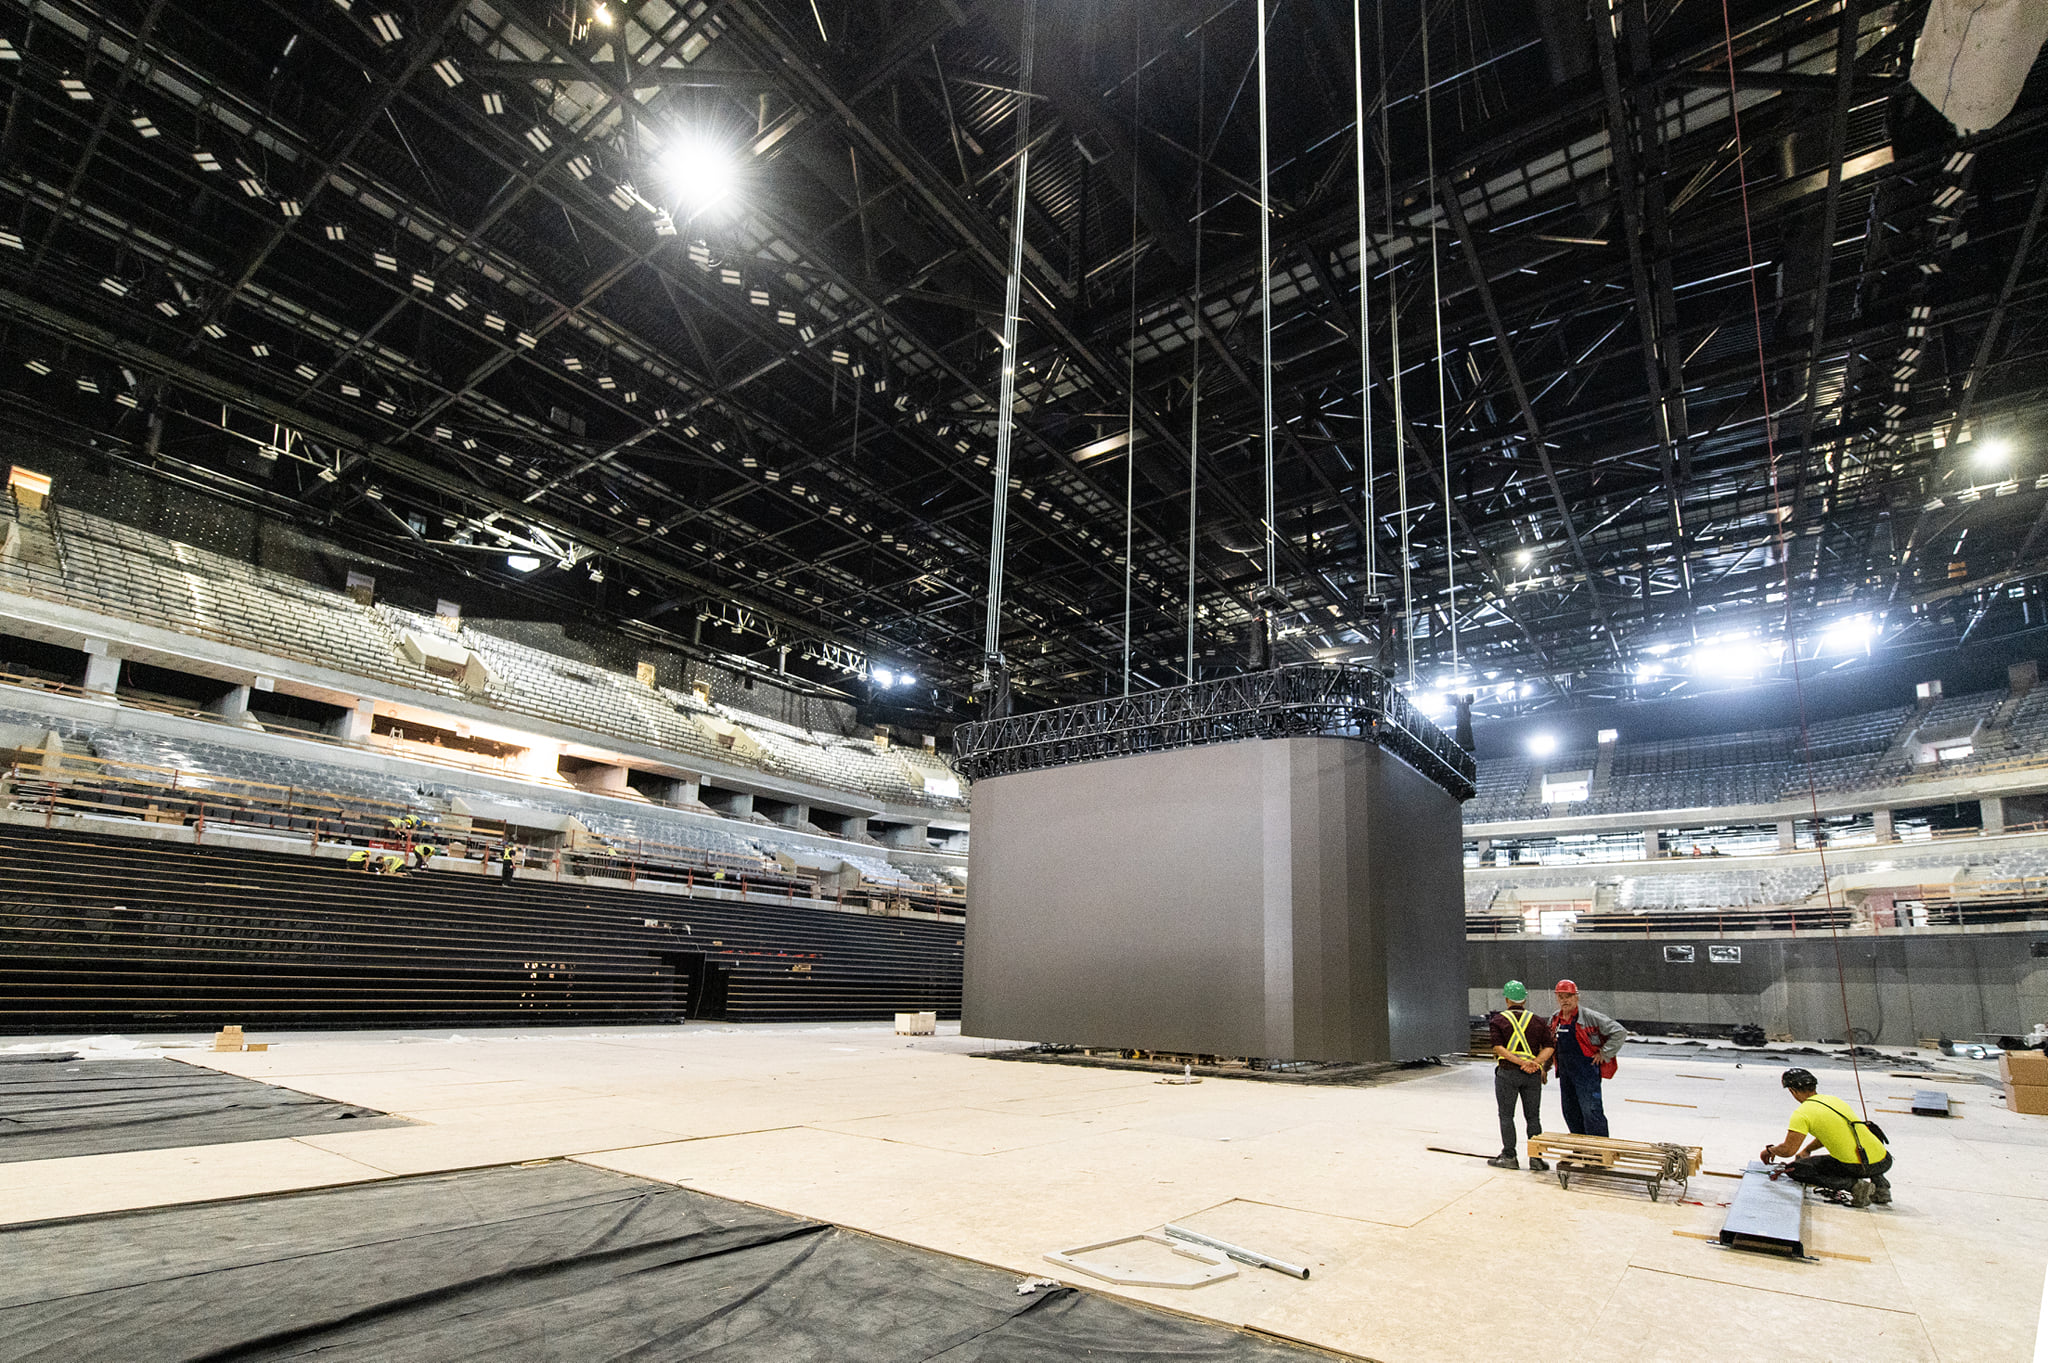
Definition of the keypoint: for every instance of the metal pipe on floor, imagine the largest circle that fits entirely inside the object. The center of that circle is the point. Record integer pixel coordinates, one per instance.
(1238, 1252)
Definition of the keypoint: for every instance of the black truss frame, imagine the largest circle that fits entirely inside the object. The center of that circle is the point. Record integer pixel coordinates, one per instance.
(1302, 701)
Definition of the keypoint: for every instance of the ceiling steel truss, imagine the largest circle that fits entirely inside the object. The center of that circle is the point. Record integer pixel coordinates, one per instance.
(441, 246)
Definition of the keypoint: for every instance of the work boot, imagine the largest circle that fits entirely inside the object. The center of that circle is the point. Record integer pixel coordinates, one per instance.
(1538, 1164)
(1860, 1191)
(1505, 1162)
(1881, 1195)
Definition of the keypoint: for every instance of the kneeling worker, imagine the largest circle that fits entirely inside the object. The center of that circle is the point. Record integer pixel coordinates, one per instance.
(1841, 1152)
(1522, 1045)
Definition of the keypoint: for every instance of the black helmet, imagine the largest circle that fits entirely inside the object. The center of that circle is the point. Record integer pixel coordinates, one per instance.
(1799, 1079)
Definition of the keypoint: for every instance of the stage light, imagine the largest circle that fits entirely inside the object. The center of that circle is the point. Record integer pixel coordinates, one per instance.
(906, 679)
(1525, 558)
(702, 171)
(1994, 451)
(521, 563)
(1853, 635)
(1733, 656)
(601, 15)
(883, 676)
(1542, 745)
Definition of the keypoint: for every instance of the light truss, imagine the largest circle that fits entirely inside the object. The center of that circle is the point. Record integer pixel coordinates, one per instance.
(1302, 701)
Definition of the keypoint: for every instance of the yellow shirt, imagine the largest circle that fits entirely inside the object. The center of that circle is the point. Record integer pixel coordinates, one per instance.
(1827, 1121)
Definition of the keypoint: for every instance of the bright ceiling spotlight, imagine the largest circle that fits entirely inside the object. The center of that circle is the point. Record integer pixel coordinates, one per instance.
(906, 679)
(883, 676)
(521, 563)
(1994, 451)
(1853, 635)
(1525, 558)
(703, 172)
(1542, 745)
(601, 14)
(1733, 656)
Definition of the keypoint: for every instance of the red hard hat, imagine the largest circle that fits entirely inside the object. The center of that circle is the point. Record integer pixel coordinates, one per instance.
(1565, 987)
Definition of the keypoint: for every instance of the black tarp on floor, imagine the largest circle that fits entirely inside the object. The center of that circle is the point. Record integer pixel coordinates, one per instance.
(554, 1261)
(97, 1107)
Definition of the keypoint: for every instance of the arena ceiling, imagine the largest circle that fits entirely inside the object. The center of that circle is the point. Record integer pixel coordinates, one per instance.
(700, 306)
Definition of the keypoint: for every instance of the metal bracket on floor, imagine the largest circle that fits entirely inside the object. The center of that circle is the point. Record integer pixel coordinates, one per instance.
(1217, 1266)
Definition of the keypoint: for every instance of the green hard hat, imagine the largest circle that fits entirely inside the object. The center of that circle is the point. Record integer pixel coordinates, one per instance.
(1515, 990)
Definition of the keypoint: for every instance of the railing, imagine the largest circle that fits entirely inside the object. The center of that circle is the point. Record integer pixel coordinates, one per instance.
(119, 789)
(2015, 901)
(29, 580)
(1299, 701)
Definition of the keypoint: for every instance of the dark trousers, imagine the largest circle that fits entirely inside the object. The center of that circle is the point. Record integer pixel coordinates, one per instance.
(504, 870)
(1825, 1171)
(1578, 1092)
(1509, 1085)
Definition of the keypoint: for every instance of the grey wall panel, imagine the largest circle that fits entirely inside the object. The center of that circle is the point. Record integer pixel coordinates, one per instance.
(1901, 986)
(1287, 898)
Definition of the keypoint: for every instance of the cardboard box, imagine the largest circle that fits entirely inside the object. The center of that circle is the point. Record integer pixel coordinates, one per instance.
(2028, 1068)
(916, 1024)
(2032, 1098)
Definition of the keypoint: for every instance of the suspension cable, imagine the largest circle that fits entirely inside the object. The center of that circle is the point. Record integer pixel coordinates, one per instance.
(1395, 374)
(1364, 300)
(1195, 374)
(1436, 303)
(1784, 549)
(1266, 320)
(1007, 398)
(1131, 352)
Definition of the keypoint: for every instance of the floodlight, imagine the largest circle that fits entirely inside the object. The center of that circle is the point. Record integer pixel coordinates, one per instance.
(601, 15)
(1524, 558)
(883, 676)
(1853, 635)
(521, 563)
(702, 171)
(906, 679)
(1994, 451)
(1542, 745)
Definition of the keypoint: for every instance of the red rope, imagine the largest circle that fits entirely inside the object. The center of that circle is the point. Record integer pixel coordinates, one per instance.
(1763, 377)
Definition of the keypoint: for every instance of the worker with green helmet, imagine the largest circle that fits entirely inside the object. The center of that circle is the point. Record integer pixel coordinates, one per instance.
(1522, 1047)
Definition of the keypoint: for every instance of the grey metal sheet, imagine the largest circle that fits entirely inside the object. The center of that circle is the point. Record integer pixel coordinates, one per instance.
(1767, 1213)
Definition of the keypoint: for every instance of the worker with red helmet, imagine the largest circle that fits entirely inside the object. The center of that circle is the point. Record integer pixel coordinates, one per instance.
(1585, 1045)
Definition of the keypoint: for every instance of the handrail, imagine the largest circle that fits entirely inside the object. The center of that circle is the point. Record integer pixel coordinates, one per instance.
(220, 799)
(38, 583)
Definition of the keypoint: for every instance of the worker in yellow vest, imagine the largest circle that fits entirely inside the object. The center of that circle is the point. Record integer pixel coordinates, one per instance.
(1831, 1148)
(1522, 1048)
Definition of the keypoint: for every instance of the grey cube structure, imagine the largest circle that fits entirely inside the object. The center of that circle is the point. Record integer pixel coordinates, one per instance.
(1278, 874)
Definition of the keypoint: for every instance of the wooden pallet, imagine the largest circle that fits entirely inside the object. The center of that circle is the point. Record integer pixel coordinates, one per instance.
(1652, 1164)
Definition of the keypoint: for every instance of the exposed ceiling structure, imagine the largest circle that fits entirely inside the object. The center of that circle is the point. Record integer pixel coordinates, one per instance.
(461, 281)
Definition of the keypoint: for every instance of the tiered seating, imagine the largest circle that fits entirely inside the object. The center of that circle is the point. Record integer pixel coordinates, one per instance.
(249, 764)
(1717, 889)
(1843, 754)
(106, 932)
(1692, 773)
(117, 570)
(114, 569)
(1502, 785)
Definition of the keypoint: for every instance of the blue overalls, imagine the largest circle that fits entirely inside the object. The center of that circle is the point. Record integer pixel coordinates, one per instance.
(1578, 1080)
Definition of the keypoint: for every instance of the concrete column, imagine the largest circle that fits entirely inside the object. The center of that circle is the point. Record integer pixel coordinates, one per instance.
(102, 667)
(355, 725)
(1787, 838)
(1653, 844)
(1882, 818)
(742, 805)
(688, 791)
(234, 705)
(799, 815)
(1993, 807)
(1485, 850)
(908, 835)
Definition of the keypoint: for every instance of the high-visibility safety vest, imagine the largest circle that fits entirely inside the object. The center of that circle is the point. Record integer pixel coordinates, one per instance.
(1518, 1025)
